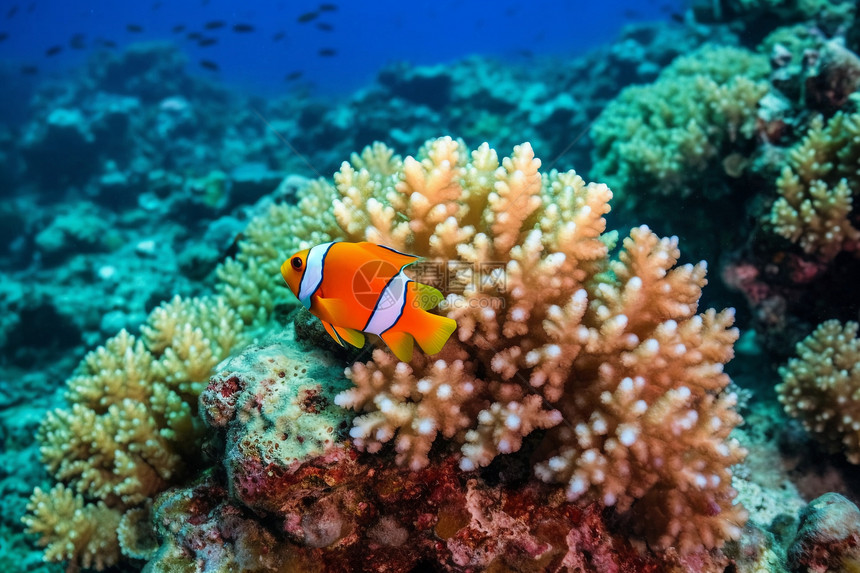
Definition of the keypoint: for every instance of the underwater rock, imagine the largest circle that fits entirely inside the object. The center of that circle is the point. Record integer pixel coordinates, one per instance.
(112, 116)
(24, 312)
(210, 190)
(251, 181)
(175, 118)
(275, 404)
(163, 183)
(10, 162)
(754, 19)
(13, 223)
(559, 110)
(45, 147)
(828, 538)
(755, 551)
(117, 320)
(199, 527)
(151, 71)
(428, 85)
(74, 230)
(498, 88)
(407, 524)
(834, 75)
(310, 331)
(198, 260)
(222, 234)
(118, 189)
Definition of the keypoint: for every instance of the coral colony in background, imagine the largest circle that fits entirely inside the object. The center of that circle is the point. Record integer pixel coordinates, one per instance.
(656, 370)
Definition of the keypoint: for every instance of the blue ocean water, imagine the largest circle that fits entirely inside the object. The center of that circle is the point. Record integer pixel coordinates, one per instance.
(335, 46)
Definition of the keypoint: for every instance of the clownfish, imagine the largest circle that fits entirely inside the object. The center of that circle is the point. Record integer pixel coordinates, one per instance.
(355, 288)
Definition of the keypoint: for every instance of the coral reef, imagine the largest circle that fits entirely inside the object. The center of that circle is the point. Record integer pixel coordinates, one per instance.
(817, 188)
(581, 408)
(319, 505)
(274, 404)
(819, 386)
(771, 185)
(406, 526)
(161, 155)
(72, 531)
(610, 353)
(22, 408)
(657, 138)
(756, 18)
(130, 431)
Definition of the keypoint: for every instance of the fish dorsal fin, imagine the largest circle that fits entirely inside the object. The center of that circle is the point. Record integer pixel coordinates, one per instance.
(331, 309)
(400, 344)
(389, 255)
(330, 329)
(350, 335)
(427, 296)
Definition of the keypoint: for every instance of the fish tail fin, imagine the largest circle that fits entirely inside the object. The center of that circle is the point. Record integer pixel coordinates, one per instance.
(400, 344)
(431, 331)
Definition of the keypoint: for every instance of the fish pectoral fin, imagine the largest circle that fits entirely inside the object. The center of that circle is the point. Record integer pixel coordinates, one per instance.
(331, 309)
(350, 335)
(330, 329)
(400, 344)
(427, 296)
(389, 255)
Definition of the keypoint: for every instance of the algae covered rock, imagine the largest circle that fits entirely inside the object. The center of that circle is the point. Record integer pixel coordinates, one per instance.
(275, 406)
(828, 538)
(46, 144)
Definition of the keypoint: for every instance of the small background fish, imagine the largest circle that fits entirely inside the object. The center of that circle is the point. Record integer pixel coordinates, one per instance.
(337, 45)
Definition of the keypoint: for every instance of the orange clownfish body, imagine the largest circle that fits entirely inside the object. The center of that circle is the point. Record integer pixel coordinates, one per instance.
(360, 287)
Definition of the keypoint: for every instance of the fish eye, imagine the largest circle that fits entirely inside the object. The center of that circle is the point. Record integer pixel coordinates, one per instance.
(296, 263)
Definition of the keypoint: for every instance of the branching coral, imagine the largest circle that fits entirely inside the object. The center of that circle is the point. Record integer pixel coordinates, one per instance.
(756, 17)
(130, 429)
(797, 9)
(72, 530)
(819, 386)
(658, 137)
(817, 188)
(249, 283)
(608, 355)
